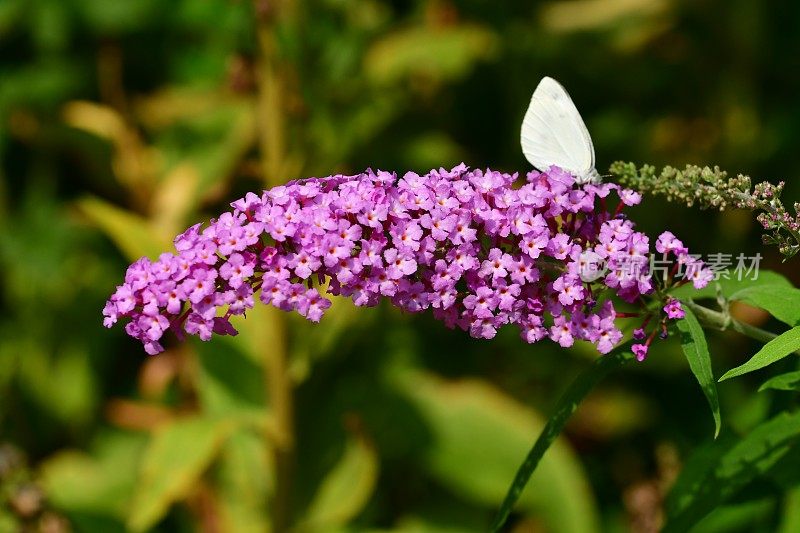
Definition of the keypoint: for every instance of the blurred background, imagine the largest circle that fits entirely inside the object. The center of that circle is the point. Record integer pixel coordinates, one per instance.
(122, 122)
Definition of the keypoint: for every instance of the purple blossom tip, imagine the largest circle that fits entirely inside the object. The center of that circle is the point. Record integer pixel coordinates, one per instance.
(640, 351)
(674, 310)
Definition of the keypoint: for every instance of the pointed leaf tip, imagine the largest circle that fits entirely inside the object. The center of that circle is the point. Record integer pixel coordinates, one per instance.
(775, 350)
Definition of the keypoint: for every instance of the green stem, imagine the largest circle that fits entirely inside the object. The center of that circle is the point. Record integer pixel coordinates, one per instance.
(271, 72)
(719, 320)
(280, 424)
(567, 405)
(273, 150)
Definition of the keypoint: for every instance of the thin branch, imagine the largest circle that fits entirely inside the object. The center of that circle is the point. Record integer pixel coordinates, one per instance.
(719, 320)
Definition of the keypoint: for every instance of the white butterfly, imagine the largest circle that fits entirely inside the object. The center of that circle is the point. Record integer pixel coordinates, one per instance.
(553, 133)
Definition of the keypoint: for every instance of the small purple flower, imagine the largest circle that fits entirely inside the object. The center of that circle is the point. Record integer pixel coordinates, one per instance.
(495, 266)
(232, 240)
(464, 257)
(398, 265)
(607, 338)
(197, 325)
(532, 330)
(439, 223)
(507, 295)
(640, 351)
(562, 332)
(200, 284)
(569, 290)
(303, 264)
(406, 235)
(699, 275)
(124, 299)
(667, 242)
(239, 300)
(482, 328)
(630, 197)
(559, 246)
(482, 303)
(522, 270)
(313, 305)
(153, 326)
(237, 269)
(673, 309)
(462, 232)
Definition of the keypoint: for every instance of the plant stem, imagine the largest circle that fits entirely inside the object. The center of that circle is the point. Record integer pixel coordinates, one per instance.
(717, 319)
(280, 435)
(567, 405)
(271, 80)
(769, 208)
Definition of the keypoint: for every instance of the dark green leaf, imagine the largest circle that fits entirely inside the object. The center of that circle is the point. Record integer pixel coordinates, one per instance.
(729, 287)
(721, 470)
(786, 472)
(790, 521)
(693, 342)
(479, 436)
(241, 496)
(774, 350)
(781, 302)
(173, 462)
(134, 235)
(737, 516)
(788, 381)
(228, 381)
(99, 482)
(346, 489)
(567, 405)
(448, 52)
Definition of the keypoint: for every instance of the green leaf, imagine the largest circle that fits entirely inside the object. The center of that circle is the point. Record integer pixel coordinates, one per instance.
(786, 472)
(120, 16)
(433, 149)
(445, 53)
(346, 489)
(228, 381)
(100, 483)
(567, 405)
(71, 399)
(174, 460)
(788, 381)
(693, 342)
(241, 495)
(718, 472)
(134, 235)
(790, 521)
(738, 516)
(231, 371)
(731, 286)
(781, 302)
(479, 436)
(774, 350)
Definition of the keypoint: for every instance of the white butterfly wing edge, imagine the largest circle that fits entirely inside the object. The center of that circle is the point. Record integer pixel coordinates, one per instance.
(553, 133)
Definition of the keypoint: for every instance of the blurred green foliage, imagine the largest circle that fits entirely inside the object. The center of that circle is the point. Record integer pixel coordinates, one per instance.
(122, 122)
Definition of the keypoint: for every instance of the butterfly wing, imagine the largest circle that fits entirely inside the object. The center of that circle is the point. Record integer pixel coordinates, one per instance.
(553, 132)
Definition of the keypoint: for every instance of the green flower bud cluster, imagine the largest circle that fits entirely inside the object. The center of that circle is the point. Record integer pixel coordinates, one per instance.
(712, 188)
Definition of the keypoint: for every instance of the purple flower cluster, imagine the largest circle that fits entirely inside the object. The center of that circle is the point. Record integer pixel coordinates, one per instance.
(482, 249)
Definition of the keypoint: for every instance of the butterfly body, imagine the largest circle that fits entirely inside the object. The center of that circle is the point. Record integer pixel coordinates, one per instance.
(553, 133)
